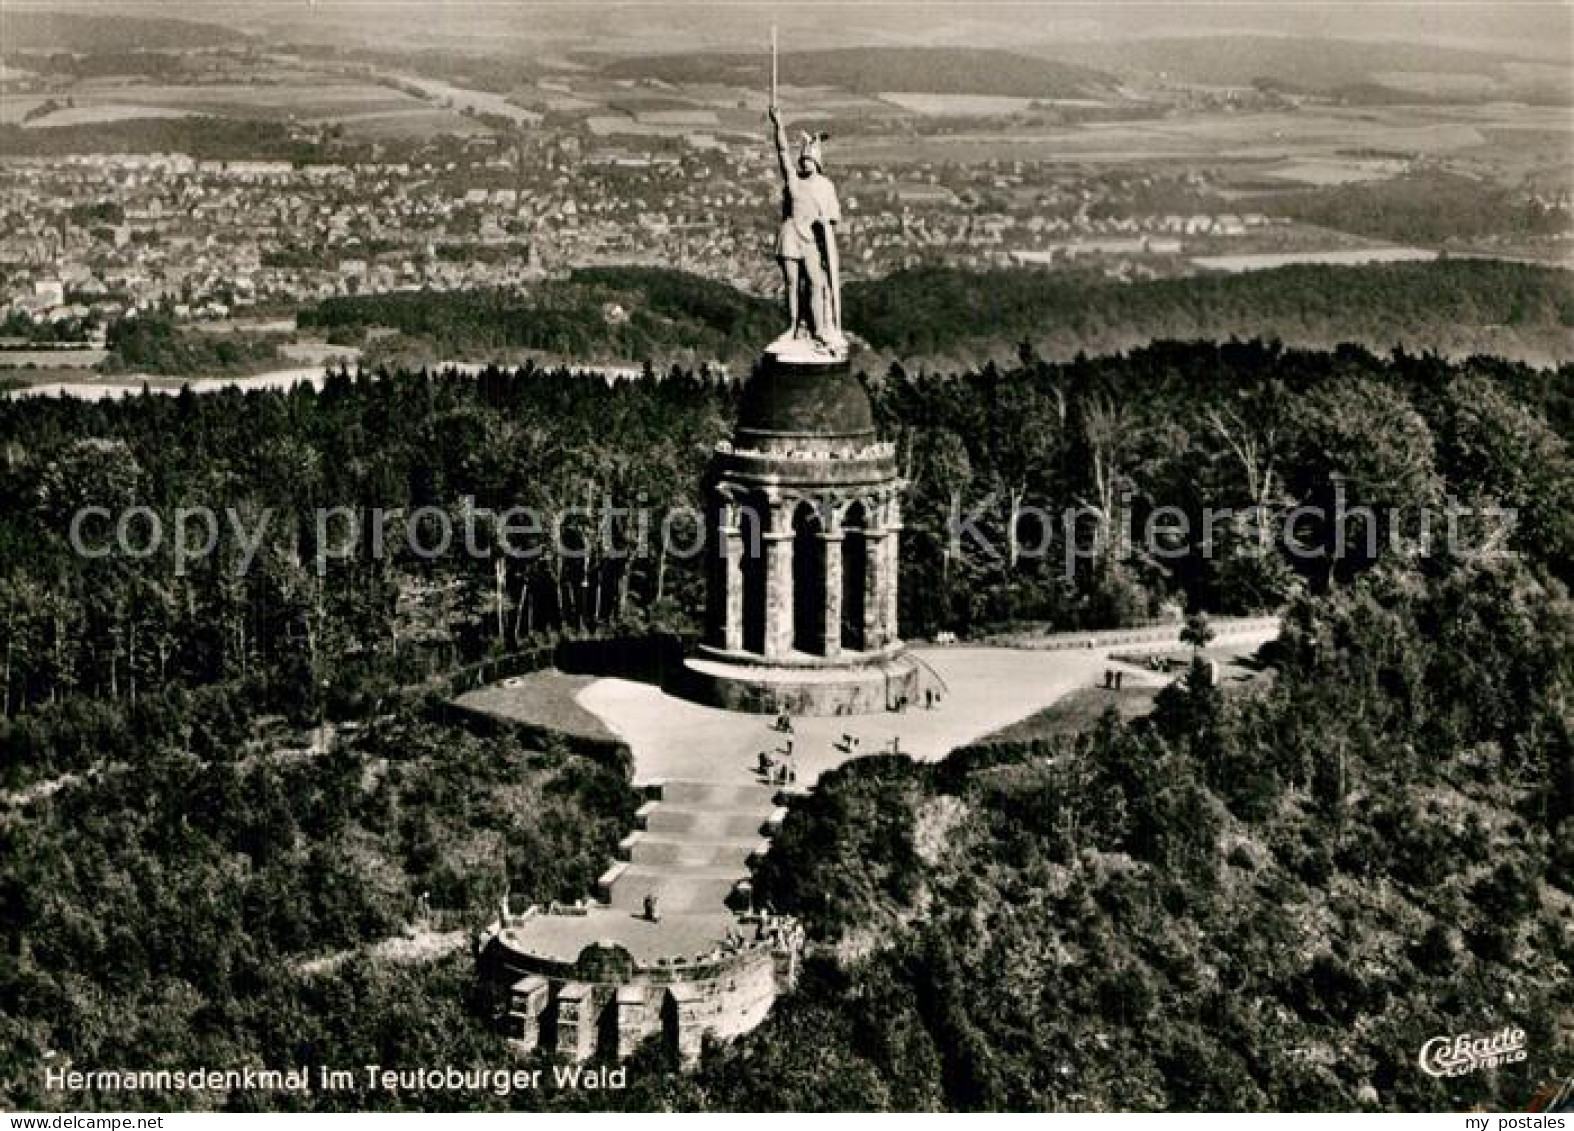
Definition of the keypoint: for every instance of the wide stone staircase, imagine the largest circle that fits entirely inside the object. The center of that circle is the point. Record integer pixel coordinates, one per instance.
(692, 846)
(604, 976)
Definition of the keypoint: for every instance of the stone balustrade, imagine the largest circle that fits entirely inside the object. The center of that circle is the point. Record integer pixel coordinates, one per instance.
(882, 450)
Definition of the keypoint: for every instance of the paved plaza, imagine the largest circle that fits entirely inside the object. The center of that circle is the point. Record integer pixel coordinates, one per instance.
(694, 843)
(984, 689)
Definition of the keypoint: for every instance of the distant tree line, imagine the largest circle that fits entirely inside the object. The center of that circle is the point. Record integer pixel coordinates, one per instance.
(663, 314)
(153, 344)
(43, 332)
(205, 138)
(1430, 207)
(949, 319)
(1458, 306)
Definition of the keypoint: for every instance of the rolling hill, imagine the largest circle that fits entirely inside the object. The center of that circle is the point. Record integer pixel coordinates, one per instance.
(83, 33)
(870, 70)
(1331, 66)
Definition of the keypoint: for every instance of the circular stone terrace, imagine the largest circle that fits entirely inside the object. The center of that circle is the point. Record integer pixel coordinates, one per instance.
(711, 810)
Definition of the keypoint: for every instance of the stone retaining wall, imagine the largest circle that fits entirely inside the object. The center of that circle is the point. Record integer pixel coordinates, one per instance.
(1169, 633)
(764, 690)
(604, 1003)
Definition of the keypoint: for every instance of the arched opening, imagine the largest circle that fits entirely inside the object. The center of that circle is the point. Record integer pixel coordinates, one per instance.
(671, 1025)
(855, 553)
(607, 1029)
(753, 515)
(808, 581)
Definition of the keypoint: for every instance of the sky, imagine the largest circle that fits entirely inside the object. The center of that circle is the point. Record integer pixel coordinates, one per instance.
(1537, 28)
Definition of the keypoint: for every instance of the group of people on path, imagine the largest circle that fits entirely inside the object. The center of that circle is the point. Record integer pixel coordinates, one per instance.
(931, 697)
(779, 768)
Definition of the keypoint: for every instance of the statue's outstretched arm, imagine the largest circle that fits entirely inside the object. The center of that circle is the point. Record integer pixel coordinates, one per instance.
(781, 143)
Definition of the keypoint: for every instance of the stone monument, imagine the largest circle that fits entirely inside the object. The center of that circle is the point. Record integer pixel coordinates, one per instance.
(804, 501)
(805, 513)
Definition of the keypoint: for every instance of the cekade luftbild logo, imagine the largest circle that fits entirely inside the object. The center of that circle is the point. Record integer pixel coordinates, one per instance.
(1468, 1052)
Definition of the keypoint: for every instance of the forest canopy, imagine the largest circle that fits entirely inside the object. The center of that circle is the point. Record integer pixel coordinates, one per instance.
(952, 319)
(237, 826)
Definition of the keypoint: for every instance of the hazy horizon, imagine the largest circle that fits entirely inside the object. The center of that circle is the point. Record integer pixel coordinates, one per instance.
(1539, 30)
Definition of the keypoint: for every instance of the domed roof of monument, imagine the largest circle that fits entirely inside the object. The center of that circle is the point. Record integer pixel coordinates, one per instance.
(826, 400)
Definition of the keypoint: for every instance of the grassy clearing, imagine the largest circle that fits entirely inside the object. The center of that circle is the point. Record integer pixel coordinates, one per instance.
(1239, 669)
(544, 699)
(1076, 713)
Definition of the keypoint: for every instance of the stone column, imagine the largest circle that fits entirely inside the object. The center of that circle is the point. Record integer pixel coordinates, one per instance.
(576, 1021)
(874, 589)
(731, 636)
(785, 956)
(778, 583)
(888, 593)
(831, 550)
(893, 528)
(685, 1027)
(527, 1002)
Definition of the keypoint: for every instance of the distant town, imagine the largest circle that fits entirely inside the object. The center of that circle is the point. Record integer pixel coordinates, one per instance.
(403, 179)
(91, 238)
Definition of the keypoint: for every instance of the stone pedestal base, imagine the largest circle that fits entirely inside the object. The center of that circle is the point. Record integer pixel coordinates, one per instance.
(802, 689)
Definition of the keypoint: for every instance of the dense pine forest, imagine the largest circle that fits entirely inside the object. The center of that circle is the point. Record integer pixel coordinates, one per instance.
(235, 829)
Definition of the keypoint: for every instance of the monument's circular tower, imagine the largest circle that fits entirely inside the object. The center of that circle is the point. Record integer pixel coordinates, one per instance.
(805, 514)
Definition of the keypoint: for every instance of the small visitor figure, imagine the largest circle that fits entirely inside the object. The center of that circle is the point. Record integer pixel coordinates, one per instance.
(652, 907)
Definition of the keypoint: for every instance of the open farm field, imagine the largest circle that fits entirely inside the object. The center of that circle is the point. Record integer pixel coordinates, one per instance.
(962, 105)
(413, 122)
(13, 108)
(1346, 257)
(1325, 135)
(1334, 171)
(110, 102)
